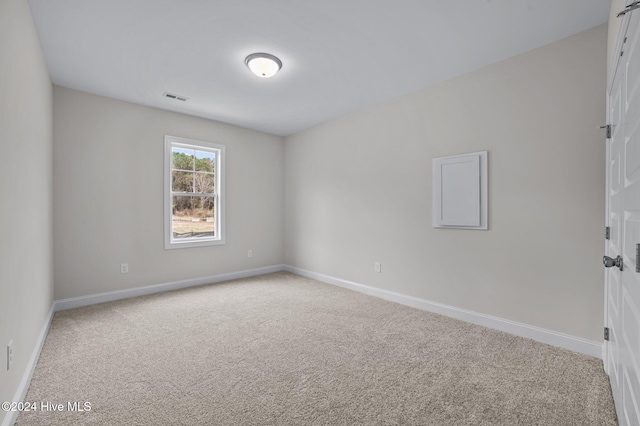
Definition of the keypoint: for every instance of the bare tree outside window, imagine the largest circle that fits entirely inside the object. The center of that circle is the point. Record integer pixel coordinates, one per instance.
(193, 174)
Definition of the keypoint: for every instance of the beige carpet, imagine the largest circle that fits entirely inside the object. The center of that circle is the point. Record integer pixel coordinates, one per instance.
(284, 350)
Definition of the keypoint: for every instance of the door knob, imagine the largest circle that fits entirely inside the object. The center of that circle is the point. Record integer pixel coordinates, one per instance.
(609, 262)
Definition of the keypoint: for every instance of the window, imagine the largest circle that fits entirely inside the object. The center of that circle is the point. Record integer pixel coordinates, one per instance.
(194, 193)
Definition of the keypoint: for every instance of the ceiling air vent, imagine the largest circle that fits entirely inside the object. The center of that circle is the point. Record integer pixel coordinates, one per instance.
(176, 97)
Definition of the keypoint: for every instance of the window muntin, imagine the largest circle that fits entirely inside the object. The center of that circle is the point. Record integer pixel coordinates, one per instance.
(194, 193)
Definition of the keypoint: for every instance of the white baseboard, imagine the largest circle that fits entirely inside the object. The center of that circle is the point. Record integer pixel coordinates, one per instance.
(11, 416)
(76, 302)
(550, 337)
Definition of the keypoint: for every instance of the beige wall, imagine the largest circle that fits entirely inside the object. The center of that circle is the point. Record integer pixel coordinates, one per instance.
(358, 190)
(26, 281)
(108, 208)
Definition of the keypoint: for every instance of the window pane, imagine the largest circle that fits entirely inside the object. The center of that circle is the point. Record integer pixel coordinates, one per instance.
(204, 182)
(182, 182)
(193, 217)
(205, 161)
(182, 158)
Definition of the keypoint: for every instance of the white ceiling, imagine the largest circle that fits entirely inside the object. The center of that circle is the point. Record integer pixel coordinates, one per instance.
(339, 56)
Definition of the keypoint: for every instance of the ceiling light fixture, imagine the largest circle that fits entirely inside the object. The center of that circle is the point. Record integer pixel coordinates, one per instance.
(263, 64)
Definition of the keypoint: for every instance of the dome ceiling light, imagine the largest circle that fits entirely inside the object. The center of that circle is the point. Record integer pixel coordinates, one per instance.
(263, 64)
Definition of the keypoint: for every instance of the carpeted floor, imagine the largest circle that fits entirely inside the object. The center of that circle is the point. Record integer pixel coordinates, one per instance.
(279, 349)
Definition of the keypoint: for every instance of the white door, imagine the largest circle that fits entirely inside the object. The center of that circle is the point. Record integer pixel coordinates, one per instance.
(623, 200)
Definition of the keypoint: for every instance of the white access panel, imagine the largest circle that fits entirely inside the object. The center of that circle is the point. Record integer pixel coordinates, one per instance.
(460, 191)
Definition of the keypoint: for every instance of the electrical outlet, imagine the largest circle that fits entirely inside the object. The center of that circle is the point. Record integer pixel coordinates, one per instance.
(9, 354)
(377, 267)
(250, 253)
(124, 268)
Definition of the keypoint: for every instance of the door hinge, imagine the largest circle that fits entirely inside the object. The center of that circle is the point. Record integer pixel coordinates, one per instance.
(606, 333)
(633, 6)
(608, 128)
(607, 232)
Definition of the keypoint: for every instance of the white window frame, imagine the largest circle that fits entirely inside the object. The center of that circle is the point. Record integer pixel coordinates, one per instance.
(219, 171)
